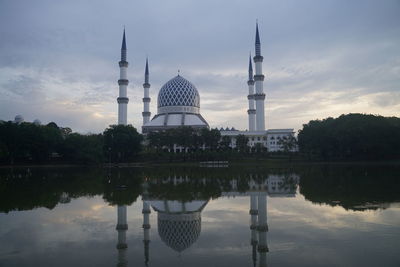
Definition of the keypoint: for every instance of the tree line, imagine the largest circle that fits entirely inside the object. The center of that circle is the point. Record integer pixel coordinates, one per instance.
(30, 143)
(351, 136)
(192, 140)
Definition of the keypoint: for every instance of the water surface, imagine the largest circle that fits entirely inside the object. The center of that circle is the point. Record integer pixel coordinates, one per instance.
(310, 215)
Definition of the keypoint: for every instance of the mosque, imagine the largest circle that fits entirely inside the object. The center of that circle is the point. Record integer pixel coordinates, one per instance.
(178, 104)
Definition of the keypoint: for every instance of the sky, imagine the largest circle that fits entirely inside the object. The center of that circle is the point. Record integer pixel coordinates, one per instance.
(59, 59)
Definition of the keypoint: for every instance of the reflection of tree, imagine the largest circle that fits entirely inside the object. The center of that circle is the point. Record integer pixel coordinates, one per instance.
(350, 186)
(353, 187)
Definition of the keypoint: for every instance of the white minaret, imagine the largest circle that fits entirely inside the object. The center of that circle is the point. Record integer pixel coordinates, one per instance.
(123, 84)
(122, 227)
(262, 228)
(253, 226)
(146, 98)
(251, 111)
(259, 96)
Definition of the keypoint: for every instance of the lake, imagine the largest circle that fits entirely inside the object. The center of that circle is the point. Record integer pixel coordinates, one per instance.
(297, 215)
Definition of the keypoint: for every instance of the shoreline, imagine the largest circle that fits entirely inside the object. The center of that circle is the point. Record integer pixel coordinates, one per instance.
(247, 162)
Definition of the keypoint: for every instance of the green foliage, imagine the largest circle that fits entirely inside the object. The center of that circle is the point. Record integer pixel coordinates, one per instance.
(288, 144)
(122, 143)
(31, 143)
(27, 142)
(185, 137)
(86, 149)
(225, 143)
(241, 143)
(352, 136)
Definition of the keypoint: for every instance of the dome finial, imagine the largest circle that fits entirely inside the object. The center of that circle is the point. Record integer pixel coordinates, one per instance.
(179, 72)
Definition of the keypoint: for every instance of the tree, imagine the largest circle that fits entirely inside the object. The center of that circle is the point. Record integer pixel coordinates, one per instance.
(210, 137)
(241, 142)
(122, 142)
(184, 136)
(351, 136)
(288, 144)
(83, 149)
(155, 140)
(225, 143)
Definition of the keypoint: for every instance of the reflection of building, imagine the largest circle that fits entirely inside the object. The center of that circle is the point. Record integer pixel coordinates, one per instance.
(179, 222)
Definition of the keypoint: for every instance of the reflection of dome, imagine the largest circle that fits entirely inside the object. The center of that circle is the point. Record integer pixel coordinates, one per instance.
(179, 231)
(19, 119)
(179, 223)
(178, 92)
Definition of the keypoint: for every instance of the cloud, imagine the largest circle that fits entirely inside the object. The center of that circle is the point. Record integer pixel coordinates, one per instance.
(58, 62)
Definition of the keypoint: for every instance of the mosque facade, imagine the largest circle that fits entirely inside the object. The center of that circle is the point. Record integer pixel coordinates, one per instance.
(178, 104)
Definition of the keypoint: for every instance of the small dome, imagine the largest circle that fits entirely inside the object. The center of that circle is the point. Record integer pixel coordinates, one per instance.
(37, 122)
(18, 119)
(178, 92)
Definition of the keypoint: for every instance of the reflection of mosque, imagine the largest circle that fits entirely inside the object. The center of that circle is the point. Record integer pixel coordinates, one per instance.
(179, 222)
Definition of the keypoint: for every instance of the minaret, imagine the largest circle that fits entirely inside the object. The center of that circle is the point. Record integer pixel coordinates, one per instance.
(262, 228)
(123, 84)
(251, 111)
(259, 96)
(253, 226)
(122, 227)
(146, 223)
(146, 99)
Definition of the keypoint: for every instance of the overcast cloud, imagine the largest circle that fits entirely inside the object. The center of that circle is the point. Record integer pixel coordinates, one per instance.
(59, 59)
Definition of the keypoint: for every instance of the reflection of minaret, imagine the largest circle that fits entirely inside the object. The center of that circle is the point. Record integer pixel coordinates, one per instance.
(122, 226)
(253, 226)
(262, 228)
(146, 224)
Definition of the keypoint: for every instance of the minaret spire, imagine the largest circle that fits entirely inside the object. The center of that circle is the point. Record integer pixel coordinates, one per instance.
(258, 43)
(146, 98)
(259, 95)
(251, 111)
(123, 84)
(123, 48)
(146, 71)
(250, 69)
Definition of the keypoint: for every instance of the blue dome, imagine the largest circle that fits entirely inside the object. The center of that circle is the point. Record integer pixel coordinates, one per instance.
(178, 92)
